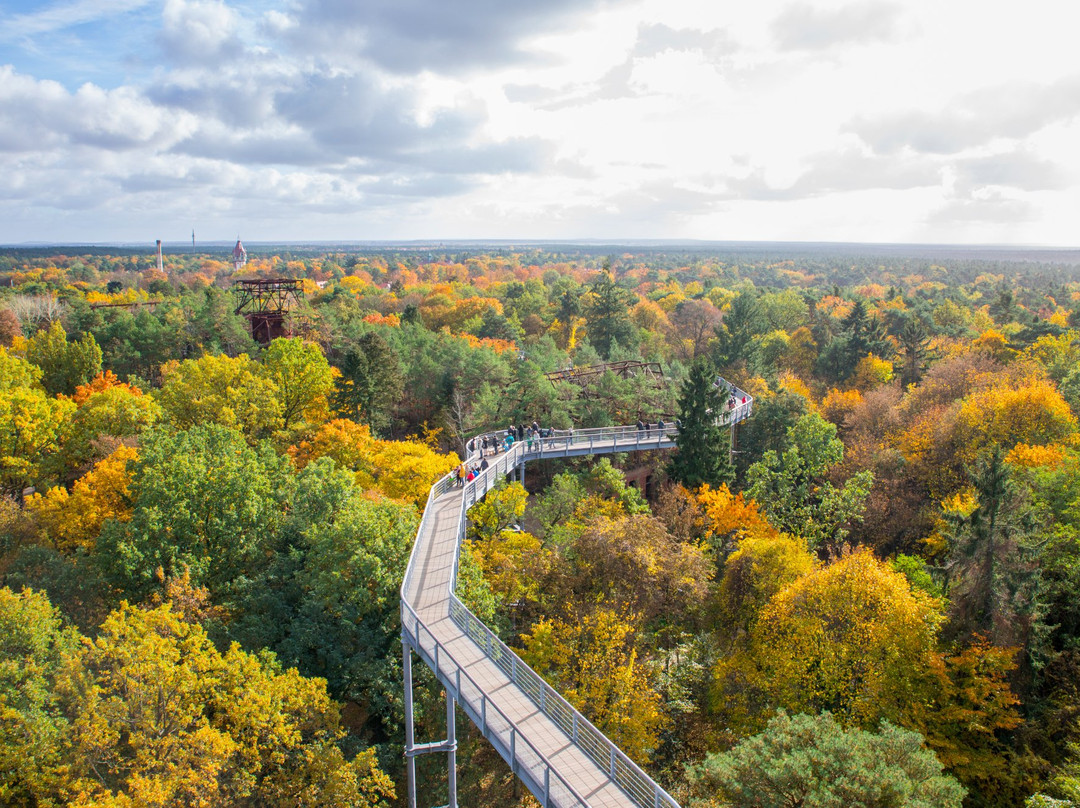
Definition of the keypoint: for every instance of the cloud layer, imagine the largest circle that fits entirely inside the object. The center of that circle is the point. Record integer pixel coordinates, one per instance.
(865, 120)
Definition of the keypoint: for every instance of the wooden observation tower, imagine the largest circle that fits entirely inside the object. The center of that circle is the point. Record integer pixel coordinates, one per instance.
(266, 303)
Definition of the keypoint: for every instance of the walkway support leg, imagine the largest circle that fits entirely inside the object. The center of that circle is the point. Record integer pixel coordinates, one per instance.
(410, 761)
(451, 754)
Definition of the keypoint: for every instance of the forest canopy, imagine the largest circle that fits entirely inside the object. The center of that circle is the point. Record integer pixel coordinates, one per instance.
(881, 565)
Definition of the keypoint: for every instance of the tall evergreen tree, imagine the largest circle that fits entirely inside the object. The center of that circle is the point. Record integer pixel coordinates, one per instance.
(607, 316)
(913, 341)
(990, 575)
(735, 335)
(371, 381)
(704, 446)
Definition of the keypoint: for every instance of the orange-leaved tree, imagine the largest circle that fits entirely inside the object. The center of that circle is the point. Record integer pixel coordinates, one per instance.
(74, 519)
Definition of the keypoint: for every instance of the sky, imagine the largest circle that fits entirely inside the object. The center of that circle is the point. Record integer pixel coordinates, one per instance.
(285, 120)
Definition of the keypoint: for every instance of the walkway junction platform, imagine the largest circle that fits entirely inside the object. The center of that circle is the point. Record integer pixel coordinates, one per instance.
(555, 751)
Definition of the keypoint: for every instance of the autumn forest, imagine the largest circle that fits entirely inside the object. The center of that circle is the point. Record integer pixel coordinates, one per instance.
(869, 597)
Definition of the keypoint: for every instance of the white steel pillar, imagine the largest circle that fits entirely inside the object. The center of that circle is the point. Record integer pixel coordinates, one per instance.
(410, 760)
(451, 749)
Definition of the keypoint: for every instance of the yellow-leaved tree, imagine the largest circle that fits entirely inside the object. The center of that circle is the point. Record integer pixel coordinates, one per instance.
(109, 413)
(851, 637)
(151, 714)
(1031, 412)
(162, 718)
(399, 469)
(591, 661)
(231, 391)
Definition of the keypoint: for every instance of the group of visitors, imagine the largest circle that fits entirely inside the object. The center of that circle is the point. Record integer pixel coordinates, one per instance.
(645, 428)
(466, 472)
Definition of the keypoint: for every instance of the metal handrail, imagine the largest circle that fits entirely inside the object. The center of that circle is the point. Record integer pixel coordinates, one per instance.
(641, 788)
(638, 785)
(441, 656)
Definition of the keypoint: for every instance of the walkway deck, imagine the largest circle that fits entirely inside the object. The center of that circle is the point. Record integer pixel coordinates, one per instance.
(556, 752)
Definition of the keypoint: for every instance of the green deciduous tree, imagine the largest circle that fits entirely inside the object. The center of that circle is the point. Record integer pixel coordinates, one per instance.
(792, 490)
(64, 365)
(204, 500)
(347, 626)
(302, 376)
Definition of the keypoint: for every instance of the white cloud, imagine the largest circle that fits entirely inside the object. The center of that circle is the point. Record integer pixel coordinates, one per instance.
(201, 32)
(802, 26)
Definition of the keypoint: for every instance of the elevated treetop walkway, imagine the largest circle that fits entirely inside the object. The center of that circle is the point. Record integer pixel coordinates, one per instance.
(555, 751)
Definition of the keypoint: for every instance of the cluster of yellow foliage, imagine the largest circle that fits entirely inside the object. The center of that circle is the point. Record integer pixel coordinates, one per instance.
(514, 563)
(159, 717)
(497, 345)
(1032, 412)
(838, 404)
(129, 295)
(872, 372)
(592, 663)
(397, 469)
(1030, 457)
(731, 515)
(846, 638)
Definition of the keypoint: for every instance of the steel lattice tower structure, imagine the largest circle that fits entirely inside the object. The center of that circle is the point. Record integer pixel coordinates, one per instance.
(266, 303)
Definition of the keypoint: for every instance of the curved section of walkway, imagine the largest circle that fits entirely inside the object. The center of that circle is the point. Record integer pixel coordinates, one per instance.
(555, 751)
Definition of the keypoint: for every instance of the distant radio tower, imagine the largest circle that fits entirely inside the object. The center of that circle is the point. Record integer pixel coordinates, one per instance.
(193, 238)
(160, 265)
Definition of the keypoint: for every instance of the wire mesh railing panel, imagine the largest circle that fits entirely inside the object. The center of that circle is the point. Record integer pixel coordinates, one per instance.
(471, 694)
(499, 727)
(561, 713)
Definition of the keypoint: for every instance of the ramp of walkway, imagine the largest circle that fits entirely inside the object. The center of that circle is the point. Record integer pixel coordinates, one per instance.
(555, 751)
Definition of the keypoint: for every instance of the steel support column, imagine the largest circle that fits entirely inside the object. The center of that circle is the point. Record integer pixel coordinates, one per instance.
(451, 750)
(410, 760)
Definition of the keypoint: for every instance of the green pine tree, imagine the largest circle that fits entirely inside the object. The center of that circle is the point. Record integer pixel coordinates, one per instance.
(704, 445)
